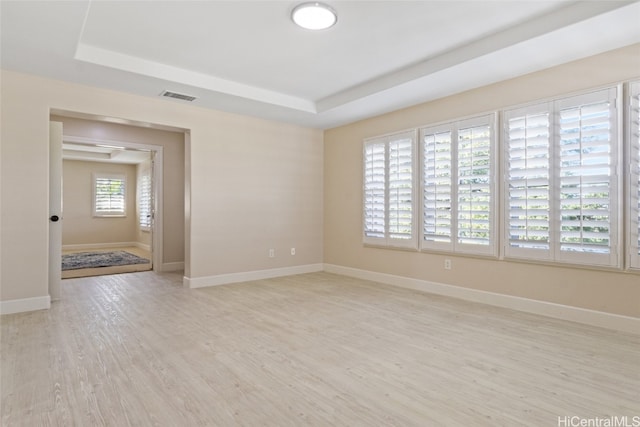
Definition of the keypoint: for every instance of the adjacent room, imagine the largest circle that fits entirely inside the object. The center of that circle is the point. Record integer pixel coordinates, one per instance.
(340, 213)
(98, 235)
(141, 172)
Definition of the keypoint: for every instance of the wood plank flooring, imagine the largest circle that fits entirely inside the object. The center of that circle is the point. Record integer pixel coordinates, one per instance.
(310, 350)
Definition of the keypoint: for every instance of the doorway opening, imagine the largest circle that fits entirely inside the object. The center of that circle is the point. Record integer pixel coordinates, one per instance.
(117, 152)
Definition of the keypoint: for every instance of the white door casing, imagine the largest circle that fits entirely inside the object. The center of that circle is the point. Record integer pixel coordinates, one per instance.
(55, 209)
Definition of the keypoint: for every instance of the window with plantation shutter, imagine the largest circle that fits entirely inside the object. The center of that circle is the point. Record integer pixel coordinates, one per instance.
(634, 175)
(561, 160)
(109, 195)
(388, 205)
(458, 186)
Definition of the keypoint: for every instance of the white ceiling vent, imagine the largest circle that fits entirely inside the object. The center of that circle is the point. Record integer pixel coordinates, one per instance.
(177, 95)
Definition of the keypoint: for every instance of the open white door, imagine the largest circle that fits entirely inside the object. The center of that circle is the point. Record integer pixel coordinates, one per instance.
(55, 209)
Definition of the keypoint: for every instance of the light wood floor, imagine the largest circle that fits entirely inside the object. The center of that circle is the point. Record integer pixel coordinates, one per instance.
(317, 349)
(100, 271)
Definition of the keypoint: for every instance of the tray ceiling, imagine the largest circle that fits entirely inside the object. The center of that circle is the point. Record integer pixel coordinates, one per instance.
(248, 57)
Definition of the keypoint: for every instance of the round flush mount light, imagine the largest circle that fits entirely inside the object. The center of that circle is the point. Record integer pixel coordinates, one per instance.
(314, 16)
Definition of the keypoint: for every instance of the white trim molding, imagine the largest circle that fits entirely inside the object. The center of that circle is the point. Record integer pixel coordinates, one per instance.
(25, 304)
(558, 311)
(224, 279)
(172, 266)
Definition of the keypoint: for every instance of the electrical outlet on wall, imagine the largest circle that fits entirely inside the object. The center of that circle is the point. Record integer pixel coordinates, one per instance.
(293, 251)
(447, 264)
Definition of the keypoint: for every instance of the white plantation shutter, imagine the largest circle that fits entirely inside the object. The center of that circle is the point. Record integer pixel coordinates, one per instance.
(475, 185)
(437, 155)
(458, 186)
(528, 181)
(374, 190)
(109, 195)
(144, 200)
(401, 188)
(634, 175)
(388, 211)
(587, 178)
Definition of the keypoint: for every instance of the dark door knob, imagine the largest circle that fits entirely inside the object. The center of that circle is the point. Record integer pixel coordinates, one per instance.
(54, 218)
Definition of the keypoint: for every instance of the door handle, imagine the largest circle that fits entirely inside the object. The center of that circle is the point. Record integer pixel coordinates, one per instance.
(54, 218)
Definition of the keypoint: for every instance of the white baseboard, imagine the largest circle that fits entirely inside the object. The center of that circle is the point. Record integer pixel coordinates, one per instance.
(574, 314)
(25, 304)
(142, 246)
(172, 266)
(99, 245)
(224, 279)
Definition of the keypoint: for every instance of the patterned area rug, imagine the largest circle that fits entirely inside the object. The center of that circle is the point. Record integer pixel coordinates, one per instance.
(100, 259)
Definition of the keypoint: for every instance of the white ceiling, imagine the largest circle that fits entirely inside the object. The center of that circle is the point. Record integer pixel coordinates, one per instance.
(248, 57)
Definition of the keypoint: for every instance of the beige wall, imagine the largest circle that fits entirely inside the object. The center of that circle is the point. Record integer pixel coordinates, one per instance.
(173, 173)
(614, 292)
(79, 226)
(253, 184)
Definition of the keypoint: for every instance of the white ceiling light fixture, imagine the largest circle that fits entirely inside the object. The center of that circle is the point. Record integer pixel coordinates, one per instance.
(314, 16)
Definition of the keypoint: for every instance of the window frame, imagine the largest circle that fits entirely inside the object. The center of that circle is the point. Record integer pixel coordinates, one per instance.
(386, 240)
(110, 213)
(455, 246)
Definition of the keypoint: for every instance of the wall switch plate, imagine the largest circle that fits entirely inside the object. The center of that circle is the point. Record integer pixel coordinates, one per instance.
(272, 253)
(293, 251)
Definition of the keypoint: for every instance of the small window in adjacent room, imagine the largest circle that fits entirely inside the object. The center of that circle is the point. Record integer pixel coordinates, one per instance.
(144, 201)
(109, 195)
